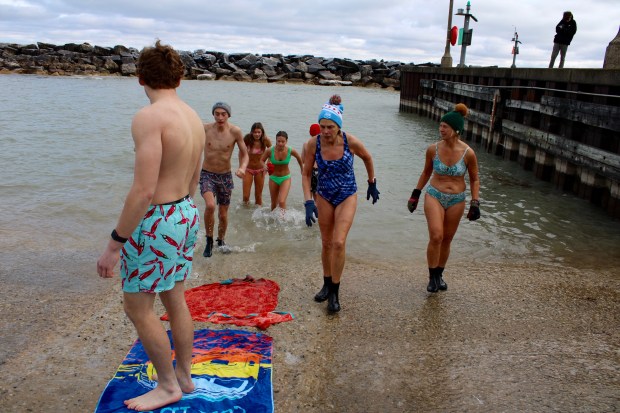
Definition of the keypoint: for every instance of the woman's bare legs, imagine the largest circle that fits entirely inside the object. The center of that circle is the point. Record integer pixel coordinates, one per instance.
(442, 226)
(248, 178)
(274, 189)
(285, 187)
(259, 184)
(335, 223)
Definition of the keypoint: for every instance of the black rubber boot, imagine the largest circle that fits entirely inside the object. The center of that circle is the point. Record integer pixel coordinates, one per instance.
(433, 284)
(333, 305)
(324, 293)
(224, 249)
(208, 248)
(441, 284)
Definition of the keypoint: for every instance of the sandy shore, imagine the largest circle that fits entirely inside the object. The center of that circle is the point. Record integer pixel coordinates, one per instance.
(504, 337)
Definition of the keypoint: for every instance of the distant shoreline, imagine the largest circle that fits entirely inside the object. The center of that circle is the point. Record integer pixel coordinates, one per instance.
(73, 59)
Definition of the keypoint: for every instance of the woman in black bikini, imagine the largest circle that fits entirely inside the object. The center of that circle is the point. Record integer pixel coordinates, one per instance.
(257, 142)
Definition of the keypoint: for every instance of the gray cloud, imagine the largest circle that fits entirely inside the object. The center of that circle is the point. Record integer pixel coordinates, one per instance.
(409, 31)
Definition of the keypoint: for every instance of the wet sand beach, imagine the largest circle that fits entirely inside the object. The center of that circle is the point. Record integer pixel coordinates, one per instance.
(505, 337)
(530, 321)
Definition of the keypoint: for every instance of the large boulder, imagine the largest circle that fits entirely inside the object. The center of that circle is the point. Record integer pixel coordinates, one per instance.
(353, 77)
(269, 70)
(247, 61)
(110, 65)
(327, 75)
(259, 75)
(206, 76)
(242, 76)
(128, 69)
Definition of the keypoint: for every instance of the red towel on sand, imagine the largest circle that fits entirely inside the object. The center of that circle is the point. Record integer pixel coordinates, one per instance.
(242, 302)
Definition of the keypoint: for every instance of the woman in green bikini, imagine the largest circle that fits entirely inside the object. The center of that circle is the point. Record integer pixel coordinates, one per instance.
(280, 180)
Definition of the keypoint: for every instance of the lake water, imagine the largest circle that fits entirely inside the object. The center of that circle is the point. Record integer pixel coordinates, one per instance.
(67, 161)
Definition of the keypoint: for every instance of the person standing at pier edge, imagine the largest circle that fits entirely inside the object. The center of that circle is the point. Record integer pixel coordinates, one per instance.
(216, 182)
(160, 221)
(444, 202)
(565, 30)
(333, 150)
(256, 142)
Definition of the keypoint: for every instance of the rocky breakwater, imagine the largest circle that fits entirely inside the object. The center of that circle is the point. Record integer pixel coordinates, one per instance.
(84, 59)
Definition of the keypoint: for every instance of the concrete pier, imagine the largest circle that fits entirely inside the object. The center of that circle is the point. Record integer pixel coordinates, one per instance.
(561, 124)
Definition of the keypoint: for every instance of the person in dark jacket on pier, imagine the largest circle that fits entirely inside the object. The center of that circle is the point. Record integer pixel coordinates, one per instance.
(565, 30)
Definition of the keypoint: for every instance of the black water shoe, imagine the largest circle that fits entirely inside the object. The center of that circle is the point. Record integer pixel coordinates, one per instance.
(324, 293)
(208, 248)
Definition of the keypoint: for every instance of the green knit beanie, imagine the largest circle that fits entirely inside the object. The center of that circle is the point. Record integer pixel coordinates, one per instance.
(456, 118)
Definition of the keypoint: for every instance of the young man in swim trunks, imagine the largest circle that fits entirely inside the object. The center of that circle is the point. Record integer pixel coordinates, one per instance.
(156, 232)
(216, 182)
(446, 163)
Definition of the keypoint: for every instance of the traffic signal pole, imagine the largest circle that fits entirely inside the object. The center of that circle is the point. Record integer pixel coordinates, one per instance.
(467, 33)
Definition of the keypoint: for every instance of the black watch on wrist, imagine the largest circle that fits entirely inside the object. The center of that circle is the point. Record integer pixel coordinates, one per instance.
(117, 237)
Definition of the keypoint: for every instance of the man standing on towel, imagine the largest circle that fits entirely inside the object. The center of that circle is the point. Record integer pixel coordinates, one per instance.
(156, 232)
(216, 182)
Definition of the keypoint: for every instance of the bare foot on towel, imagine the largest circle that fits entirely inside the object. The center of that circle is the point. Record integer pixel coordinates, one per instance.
(156, 398)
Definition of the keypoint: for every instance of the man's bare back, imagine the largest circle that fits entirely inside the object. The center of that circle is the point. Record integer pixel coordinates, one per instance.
(182, 139)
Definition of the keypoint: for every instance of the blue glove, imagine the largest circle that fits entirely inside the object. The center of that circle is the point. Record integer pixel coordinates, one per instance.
(311, 210)
(474, 210)
(412, 204)
(372, 192)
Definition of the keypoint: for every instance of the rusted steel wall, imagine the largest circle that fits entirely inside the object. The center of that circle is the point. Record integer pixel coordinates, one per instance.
(562, 124)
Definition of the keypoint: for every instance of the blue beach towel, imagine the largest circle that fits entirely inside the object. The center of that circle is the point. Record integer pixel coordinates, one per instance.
(230, 368)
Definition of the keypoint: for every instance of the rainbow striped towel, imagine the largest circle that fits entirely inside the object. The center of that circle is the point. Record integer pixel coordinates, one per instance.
(231, 370)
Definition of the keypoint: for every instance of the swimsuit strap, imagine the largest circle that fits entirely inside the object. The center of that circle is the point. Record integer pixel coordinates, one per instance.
(463, 157)
(346, 142)
(288, 155)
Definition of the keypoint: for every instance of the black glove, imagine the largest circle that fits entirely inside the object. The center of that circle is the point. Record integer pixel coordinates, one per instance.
(372, 192)
(311, 210)
(474, 210)
(412, 204)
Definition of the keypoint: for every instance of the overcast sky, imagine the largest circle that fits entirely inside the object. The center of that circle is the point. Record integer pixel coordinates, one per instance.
(412, 31)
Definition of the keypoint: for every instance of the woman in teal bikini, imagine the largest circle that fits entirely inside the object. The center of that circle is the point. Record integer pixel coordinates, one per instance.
(280, 179)
(257, 142)
(444, 203)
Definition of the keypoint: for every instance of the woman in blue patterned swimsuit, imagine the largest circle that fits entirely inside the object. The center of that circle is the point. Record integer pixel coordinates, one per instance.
(333, 151)
(444, 203)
